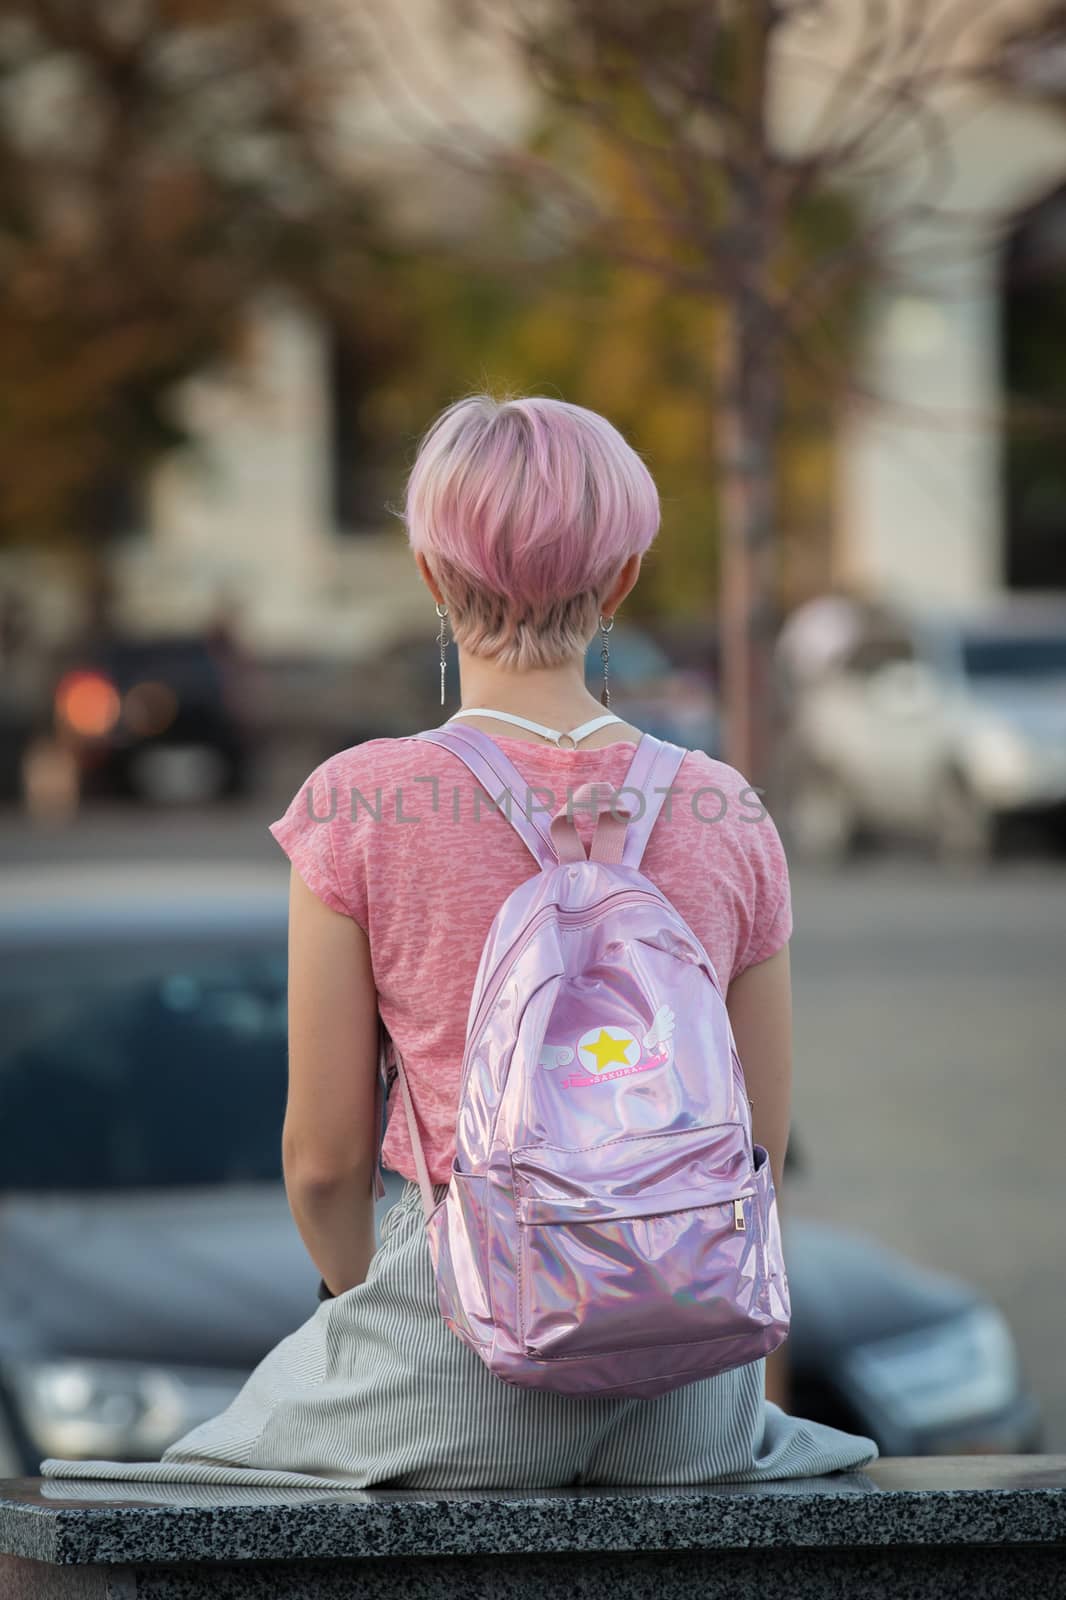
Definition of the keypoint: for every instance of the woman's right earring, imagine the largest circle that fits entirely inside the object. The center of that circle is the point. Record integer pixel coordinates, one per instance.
(606, 624)
(442, 612)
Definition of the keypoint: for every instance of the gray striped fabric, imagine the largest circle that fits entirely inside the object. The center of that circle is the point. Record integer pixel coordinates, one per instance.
(375, 1390)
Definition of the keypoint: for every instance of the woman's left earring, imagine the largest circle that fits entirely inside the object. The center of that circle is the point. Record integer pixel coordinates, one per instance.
(606, 624)
(442, 612)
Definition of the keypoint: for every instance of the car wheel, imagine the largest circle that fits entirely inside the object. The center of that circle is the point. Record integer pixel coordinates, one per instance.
(964, 829)
(821, 818)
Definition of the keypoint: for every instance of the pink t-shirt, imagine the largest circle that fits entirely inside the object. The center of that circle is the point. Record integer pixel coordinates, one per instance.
(416, 852)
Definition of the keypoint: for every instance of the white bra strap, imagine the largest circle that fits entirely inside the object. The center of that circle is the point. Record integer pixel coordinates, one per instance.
(538, 727)
(590, 727)
(506, 716)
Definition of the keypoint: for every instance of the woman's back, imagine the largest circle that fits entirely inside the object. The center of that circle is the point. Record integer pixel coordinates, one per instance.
(398, 835)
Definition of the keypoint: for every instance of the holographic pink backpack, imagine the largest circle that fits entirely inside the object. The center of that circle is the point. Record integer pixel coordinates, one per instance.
(609, 1227)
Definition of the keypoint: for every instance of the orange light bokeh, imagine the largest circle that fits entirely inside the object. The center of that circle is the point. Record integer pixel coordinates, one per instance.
(87, 703)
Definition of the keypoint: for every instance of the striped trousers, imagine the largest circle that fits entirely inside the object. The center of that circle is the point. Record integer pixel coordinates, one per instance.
(374, 1390)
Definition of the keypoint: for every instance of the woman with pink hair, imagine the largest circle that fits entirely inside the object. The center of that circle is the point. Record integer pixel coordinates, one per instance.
(529, 519)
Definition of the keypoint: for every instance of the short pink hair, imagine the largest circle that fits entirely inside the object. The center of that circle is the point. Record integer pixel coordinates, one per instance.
(525, 510)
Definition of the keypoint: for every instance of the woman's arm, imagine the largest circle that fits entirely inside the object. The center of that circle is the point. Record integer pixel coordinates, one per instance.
(759, 1003)
(329, 1140)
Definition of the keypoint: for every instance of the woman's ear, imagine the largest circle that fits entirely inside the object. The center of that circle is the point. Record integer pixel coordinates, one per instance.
(622, 585)
(427, 577)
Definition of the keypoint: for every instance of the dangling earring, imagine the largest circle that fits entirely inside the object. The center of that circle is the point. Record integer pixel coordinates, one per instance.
(606, 624)
(442, 612)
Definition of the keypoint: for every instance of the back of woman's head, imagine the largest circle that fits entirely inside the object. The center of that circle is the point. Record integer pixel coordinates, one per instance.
(525, 510)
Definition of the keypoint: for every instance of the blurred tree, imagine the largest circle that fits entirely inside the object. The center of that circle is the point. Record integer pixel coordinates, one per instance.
(666, 160)
(161, 161)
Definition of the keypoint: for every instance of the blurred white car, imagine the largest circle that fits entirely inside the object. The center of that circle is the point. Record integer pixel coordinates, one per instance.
(932, 725)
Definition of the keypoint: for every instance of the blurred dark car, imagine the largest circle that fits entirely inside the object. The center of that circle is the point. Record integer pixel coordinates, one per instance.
(157, 719)
(148, 1256)
(400, 692)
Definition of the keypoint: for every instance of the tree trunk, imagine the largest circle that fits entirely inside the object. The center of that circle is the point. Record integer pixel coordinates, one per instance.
(745, 428)
(748, 394)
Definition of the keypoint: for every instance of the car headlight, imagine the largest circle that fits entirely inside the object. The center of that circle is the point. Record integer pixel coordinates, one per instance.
(73, 1408)
(946, 1373)
(1001, 759)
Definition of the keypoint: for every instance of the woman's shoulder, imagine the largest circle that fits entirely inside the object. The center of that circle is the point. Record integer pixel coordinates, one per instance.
(381, 760)
(709, 769)
(724, 821)
(711, 786)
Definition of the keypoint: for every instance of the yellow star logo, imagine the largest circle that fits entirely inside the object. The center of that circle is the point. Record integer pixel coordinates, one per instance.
(608, 1050)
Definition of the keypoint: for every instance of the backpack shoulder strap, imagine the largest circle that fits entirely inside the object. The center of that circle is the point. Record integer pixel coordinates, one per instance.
(497, 774)
(652, 770)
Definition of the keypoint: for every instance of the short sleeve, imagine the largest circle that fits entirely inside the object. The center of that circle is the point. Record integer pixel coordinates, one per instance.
(315, 833)
(771, 919)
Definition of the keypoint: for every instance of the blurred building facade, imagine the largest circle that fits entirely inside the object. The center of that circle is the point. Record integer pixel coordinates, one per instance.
(929, 508)
(251, 514)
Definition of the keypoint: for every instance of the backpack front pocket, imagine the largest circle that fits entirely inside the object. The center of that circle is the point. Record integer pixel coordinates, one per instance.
(644, 1240)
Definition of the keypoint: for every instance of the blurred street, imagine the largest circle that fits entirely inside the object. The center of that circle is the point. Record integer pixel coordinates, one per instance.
(929, 1059)
(929, 1079)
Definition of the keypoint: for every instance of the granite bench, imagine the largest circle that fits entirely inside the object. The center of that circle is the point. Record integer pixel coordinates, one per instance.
(915, 1527)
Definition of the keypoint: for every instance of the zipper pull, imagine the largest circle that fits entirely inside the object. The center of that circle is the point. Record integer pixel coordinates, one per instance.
(738, 1216)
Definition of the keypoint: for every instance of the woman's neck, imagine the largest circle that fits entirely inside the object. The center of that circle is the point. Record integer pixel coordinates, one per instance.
(556, 696)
